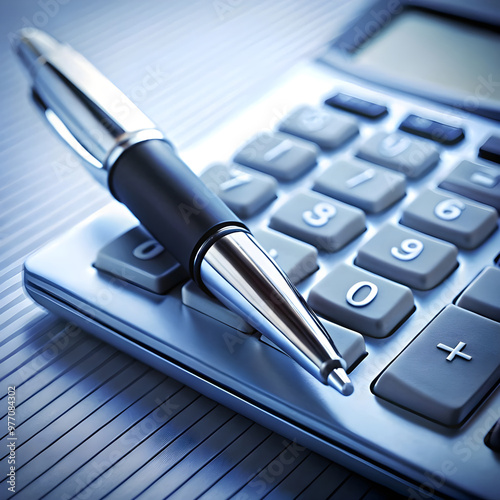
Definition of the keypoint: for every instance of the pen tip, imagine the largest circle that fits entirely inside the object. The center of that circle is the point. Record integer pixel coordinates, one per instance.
(339, 380)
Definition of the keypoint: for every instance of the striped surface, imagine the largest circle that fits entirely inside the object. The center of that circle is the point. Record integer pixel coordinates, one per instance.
(92, 422)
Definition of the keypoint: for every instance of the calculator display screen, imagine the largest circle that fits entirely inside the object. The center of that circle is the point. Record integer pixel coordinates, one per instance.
(426, 48)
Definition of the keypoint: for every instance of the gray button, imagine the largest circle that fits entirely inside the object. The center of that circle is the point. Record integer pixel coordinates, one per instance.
(412, 157)
(361, 301)
(476, 182)
(409, 257)
(139, 259)
(245, 192)
(197, 299)
(350, 344)
(296, 258)
(482, 296)
(319, 220)
(453, 219)
(447, 370)
(329, 130)
(279, 155)
(358, 183)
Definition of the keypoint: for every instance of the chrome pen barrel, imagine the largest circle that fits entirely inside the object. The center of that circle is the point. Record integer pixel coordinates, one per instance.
(244, 278)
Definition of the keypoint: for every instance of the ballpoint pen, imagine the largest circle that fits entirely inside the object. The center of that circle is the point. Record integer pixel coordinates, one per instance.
(126, 152)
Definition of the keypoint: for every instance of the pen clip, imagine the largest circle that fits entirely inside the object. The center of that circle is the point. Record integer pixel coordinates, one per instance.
(65, 134)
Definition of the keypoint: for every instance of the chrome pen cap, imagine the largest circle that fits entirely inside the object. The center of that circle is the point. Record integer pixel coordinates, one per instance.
(90, 113)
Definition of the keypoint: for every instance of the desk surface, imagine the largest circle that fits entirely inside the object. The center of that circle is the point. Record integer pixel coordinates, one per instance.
(88, 416)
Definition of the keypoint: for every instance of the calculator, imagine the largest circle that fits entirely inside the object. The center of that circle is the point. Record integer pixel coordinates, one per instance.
(372, 176)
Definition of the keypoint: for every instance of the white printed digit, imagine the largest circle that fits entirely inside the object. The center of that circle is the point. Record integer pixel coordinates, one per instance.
(358, 179)
(238, 178)
(314, 120)
(279, 150)
(409, 249)
(319, 215)
(147, 250)
(449, 209)
(394, 145)
(358, 286)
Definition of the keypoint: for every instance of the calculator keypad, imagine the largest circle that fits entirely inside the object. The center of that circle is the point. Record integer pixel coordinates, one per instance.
(408, 257)
(454, 219)
(194, 297)
(362, 301)
(433, 130)
(446, 371)
(244, 192)
(371, 294)
(371, 188)
(412, 157)
(327, 129)
(350, 344)
(477, 182)
(482, 296)
(296, 258)
(358, 106)
(139, 259)
(490, 150)
(280, 155)
(319, 220)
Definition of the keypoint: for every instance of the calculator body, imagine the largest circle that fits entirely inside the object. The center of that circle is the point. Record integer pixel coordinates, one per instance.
(407, 451)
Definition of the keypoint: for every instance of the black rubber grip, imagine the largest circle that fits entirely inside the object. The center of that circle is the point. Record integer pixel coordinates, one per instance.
(169, 199)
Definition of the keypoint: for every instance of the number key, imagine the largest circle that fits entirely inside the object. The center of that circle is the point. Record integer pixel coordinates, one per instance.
(453, 219)
(139, 259)
(197, 299)
(319, 220)
(277, 154)
(477, 182)
(329, 130)
(482, 295)
(361, 301)
(244, 191)
(361, 184)
(412, 157)
(296, 258)
(408, 257)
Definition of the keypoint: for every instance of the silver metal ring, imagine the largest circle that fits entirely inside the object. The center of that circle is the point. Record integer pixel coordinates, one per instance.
(128, 141)
(198, 258)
